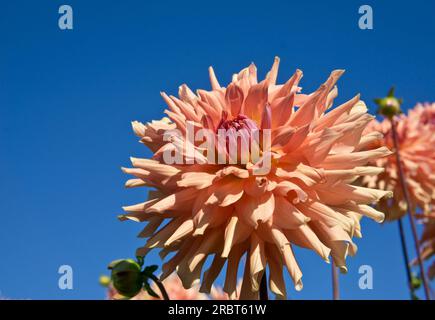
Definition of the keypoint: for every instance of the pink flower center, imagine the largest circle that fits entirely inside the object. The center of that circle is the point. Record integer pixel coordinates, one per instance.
(238, 123)
(240, 134)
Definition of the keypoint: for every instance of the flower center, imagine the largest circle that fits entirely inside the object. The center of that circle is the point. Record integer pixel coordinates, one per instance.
(238, 123)
(239, 138)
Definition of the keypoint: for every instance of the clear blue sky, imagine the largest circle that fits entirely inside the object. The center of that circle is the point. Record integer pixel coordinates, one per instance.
(67, 99)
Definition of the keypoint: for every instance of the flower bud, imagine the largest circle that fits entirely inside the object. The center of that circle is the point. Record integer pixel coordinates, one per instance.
(390, 105)
(126, 277)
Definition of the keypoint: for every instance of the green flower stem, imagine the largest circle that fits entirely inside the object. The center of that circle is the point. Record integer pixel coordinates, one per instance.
(160, 285)
(405, 257)
(408, 203)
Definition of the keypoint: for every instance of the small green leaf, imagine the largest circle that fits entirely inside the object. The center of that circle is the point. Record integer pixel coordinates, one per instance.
(140, 260)
(151, 269)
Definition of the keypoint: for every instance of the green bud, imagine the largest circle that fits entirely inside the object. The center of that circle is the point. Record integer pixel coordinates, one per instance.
(126, 277)
(389, 106)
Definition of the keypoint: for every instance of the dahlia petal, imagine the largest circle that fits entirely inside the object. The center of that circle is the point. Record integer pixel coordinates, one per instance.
(226, 192)
(170, 266)
(296, 140)
(211, 218)
(212, 273)
(151, 227)
(131, 183)
(352, 133)
(210, 243)
(213, 113)
(159, 238)
(183, 230)
(287, 88)
(338, 240)
(276, 279)
(318, 211)
(355, 159)
(234, 97)
(329, 84)
(349, 175)
(308, 110)
(140, 173)
(178, 119)
(317, 148)
(286, 216)
(266, 118)
(256, 186)
(330, 98)
(235, 232)
(188, 276)
(198, 180)
(287, 255)
(257, 261)
(174, 201)
(246, 292)
(213, 80)
(138, 128)
(256, 101)
(189, 98)
(254, 210)
(284, 187)
(332, 116)
(172, 106)
(212, 99)
(232, 268)
(282, 109)
(140, 207)
(344, 193)
(232, 170)
(273, 73)
(303, 236)
(366, 211)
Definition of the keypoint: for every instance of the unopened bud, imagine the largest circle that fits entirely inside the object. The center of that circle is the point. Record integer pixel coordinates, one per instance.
(126, 277)
(390, 105)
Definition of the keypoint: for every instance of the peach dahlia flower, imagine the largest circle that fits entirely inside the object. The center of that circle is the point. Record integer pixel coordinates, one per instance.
(417, 149)
(229, 210)
(428, 243)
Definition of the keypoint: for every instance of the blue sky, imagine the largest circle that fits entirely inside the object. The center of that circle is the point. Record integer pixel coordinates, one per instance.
(67, 99)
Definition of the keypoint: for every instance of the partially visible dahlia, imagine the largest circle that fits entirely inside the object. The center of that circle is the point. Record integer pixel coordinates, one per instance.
(423, 114)
(304, 197)
(427, 242)
(417, 150)
(175, 291)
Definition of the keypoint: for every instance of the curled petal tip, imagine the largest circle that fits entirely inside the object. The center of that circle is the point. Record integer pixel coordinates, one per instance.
(299, 286)
(343, 269)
